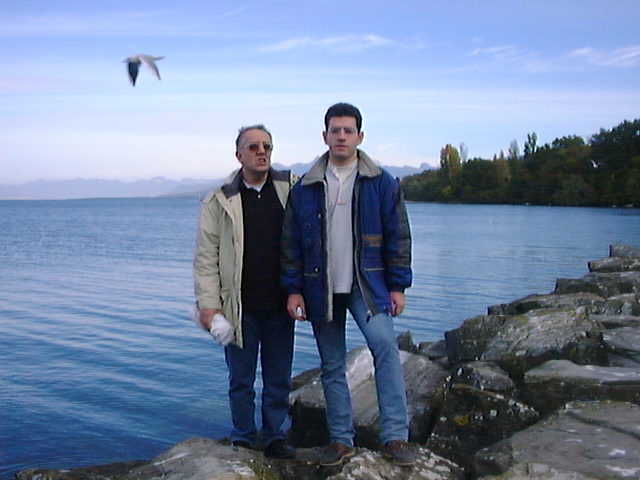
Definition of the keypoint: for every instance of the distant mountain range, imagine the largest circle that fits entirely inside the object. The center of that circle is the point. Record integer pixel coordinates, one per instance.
(154, 187)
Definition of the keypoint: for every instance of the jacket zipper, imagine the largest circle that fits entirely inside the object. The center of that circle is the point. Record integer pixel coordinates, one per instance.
(355, 220)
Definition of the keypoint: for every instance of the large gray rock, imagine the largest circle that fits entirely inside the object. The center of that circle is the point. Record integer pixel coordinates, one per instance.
(193, 459)
(625, 304)
(470, 340)
(114, 471)
(537, 471)
(599, 440)
(422, 379)
(551, 385)
(617, 321)
(368, 465)
(303, 378)
(471, 418)
(604, 284)
(201, 459)
(433, 350)
(406, 343)
(520, 342)
(623, 251)
(615, 264)
(534, 302)
(623, 345)
(484, 376)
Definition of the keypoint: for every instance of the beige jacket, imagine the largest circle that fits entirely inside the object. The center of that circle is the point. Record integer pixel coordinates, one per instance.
(217, 266)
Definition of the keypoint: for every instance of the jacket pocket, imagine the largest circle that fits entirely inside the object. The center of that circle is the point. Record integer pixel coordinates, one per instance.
(313, 273)
(372, 253)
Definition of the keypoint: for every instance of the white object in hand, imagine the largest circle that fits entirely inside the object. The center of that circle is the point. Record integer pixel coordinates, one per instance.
(298, 311)
(221, 330)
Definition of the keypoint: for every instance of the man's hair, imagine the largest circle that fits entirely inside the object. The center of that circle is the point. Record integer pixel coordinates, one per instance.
(258, 126)
(343, 110)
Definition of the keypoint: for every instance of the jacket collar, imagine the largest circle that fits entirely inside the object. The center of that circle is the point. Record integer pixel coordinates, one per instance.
(231, 185)
(366, 168)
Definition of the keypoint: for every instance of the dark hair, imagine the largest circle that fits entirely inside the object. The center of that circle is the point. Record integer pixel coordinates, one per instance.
(343, 110)
(258, 126)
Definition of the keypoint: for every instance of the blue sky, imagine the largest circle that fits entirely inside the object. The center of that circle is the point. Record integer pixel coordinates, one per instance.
(424, 73)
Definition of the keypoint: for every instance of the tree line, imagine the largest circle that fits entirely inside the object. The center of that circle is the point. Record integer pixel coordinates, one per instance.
(603, 171)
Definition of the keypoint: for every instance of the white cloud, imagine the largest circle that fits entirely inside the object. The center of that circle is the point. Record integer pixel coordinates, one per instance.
(625, 57)
(515, 57)
(501, 52)
(338, 43)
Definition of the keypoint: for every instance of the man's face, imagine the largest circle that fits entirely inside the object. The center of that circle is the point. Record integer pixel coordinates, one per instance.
(254, 152)
(342, 137)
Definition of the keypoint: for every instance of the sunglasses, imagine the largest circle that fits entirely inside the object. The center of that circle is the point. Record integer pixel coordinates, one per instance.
(254, 147)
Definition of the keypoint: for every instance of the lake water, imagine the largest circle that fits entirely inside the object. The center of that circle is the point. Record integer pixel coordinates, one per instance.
(100, 362)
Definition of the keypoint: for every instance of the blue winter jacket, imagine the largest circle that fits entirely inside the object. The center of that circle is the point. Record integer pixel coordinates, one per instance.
(382, 239)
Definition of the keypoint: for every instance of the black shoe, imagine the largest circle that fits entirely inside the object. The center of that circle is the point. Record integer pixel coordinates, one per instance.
(241, 443)
(335, 453)
(279, 449)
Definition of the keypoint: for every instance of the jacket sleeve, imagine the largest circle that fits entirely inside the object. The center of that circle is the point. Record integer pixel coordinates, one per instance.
(397, 237)
(291, 265)
(206, 272)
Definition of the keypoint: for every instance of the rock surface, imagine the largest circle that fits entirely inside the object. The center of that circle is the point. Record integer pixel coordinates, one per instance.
(537, 471)
(471, 418)
(603, 284)
(551, 385)
(368, 465)
(520, 342)
(422, 378)
(487, 401)
(206, 459)
(596, 439)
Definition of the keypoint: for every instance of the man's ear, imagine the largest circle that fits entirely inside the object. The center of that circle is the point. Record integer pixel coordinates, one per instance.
(324, 136)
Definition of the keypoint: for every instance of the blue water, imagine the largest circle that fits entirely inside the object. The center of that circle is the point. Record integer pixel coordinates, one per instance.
(99, 361)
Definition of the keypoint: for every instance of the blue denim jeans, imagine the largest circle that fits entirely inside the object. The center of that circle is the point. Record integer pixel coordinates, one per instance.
(269, 333)
(389, 375)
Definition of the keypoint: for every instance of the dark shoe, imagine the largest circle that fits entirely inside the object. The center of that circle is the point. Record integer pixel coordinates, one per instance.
(279, 449)
(400, 453)
(241, 443)
(335, 453)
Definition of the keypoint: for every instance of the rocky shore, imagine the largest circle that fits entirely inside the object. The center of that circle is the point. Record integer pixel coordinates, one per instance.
(545, 387)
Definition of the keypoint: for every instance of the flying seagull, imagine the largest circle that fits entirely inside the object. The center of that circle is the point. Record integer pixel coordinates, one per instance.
(133, 64)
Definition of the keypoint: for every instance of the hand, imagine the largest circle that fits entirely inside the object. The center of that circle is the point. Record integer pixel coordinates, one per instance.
(397, 303)
(206, 317)
(295, 307)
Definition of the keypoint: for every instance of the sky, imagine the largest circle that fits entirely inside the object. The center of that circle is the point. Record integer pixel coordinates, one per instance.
(423, 73)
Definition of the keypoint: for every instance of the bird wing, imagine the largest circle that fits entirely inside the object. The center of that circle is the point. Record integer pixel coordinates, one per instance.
(151, 64)
(133, 71)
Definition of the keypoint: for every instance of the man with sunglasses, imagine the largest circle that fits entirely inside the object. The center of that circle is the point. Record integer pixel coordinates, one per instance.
(236, 272)
(347, 246)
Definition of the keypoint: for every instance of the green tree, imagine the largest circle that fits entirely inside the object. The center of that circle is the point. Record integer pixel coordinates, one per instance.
(612, 152)
(530, 146)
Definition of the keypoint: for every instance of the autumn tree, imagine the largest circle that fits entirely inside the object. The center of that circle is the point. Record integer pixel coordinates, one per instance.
(450, 163)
